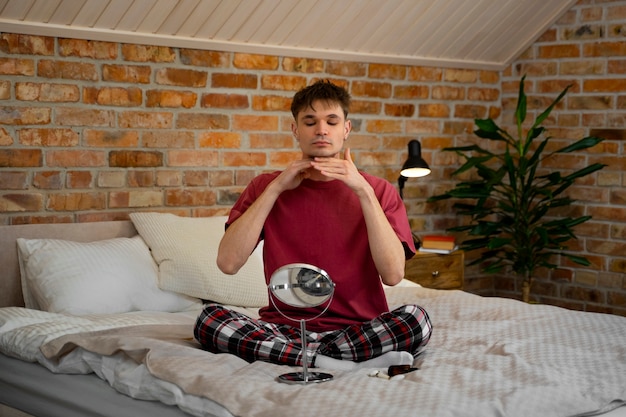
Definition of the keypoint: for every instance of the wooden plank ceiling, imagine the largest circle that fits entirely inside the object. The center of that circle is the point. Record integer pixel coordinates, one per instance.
(483, 34)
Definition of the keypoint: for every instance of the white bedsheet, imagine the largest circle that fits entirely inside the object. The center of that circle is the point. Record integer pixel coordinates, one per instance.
(487, 357)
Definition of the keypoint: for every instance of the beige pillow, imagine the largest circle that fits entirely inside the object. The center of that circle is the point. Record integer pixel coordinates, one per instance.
(185, 248)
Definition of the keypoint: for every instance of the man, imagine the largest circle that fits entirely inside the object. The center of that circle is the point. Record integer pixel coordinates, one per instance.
(322, 211)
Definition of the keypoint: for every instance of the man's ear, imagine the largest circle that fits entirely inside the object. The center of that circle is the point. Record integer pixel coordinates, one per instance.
(347, 128)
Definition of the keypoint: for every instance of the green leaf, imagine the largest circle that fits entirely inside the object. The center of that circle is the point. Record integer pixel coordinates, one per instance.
(543, 116)
(581, 260)
(583, 143)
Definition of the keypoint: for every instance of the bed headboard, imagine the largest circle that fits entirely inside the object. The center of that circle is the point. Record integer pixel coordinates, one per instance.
(10, 286)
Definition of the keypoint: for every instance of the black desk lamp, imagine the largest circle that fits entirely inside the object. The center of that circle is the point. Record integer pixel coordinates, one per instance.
(414, 166)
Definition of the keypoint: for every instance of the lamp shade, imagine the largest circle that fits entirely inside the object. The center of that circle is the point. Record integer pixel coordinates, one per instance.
(415, 166)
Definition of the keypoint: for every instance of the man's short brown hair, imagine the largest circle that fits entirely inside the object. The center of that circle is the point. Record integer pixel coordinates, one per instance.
(322, 90)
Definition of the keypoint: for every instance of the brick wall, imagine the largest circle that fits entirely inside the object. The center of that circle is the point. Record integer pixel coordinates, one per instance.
(92, 131)
(587, 49)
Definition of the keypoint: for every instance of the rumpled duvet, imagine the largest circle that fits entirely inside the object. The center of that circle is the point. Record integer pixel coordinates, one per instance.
(486, 357)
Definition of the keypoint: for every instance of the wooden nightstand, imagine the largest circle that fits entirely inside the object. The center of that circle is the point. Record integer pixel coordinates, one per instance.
(437, 271)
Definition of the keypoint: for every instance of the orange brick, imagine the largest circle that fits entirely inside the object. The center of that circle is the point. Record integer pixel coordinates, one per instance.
(71, 116)
(425, 74)
(384, 126)
(454, 127)
(13, 180)
(284, 158)
(119, 96)
(203, 58)
(21, 158)
(220, 140)
(87, 49)
(168, 139)
(460, 75)
(48, 137)
(169, 179)
(181, 77)
(11, 43)
(256, 62)
(111, 179)
(271, 141)
(271, 103)
(171, 98)
(5, 89)
(21, 202)
(365, 107)
(147, 120)
(135, 159)
(188, 198)
(422, 126)
(192, 158)
(141, 178)
(67, 70)
(221, 178)
(76, 201)
(371, 89)
(411, 92)
(604, 49)
(255, 123)
(559, 51)
(448, 93)
(225, 80)
(306, 65)
(249, 159)
(110, 139)
(346, 69)
(434, 110)
(196, 178)
(483, 94)
(48, 180)
(79, 179)
(148, 198)
(489, 77)
(283, 82)
(468, 111)
(47, 92)
(75, 158)
(147, 53)
(137, 74)
(202, 121)
(13, 66)
(225, 101)
(25, 115)
(399, 110)
(604, 85)
(394, 72)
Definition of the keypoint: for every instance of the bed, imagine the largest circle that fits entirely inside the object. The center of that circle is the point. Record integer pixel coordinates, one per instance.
(78, 339)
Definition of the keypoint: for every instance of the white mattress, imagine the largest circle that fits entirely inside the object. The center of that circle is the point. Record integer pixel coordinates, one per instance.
(487, 357)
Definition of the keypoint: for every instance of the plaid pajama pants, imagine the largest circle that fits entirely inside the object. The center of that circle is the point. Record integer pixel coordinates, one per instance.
(221, 330)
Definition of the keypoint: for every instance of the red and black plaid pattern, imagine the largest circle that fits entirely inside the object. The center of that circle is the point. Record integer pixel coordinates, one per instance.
(221, 330)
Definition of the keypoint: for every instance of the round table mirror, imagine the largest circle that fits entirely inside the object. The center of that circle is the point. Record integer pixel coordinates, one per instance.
(302, 285)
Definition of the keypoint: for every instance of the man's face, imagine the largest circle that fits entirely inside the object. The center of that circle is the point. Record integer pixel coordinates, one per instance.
(321, 130)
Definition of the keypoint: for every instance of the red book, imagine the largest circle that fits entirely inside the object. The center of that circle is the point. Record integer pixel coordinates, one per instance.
(438, 242)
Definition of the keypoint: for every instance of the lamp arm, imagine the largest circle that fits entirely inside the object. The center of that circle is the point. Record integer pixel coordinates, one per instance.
(401, 180)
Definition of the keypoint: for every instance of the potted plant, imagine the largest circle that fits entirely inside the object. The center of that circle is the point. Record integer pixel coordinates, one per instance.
(514, 209)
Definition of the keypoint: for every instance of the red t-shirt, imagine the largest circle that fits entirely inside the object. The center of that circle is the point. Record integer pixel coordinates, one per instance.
(321, 223)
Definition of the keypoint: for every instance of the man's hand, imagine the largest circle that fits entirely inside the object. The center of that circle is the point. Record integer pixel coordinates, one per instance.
(292, 176)
(341, 169)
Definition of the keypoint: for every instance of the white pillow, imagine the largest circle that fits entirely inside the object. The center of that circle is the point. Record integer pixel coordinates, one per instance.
(185, 248)
(103, 277)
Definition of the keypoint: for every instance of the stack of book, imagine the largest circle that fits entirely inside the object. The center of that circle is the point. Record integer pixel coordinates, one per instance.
(438, 244)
